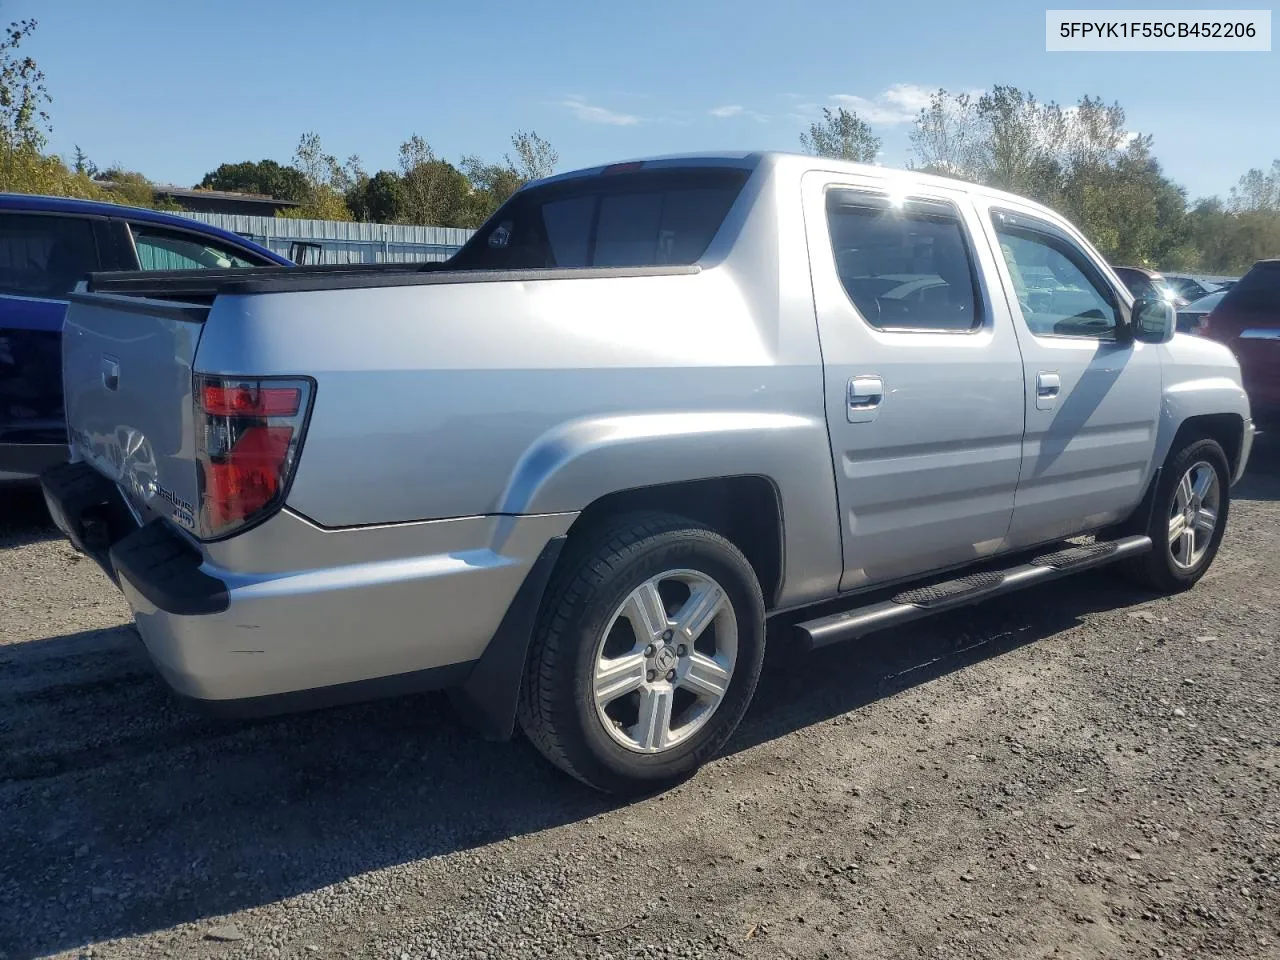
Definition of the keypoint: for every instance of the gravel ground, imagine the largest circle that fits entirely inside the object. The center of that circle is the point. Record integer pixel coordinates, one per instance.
(1082, 770)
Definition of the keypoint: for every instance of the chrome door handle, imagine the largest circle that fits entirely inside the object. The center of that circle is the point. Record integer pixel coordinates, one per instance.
(1048, 386)
(864, 398)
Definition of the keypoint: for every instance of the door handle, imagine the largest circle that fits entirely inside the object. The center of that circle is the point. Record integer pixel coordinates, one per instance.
(110, 373)
(1048, 386)
(864, 398)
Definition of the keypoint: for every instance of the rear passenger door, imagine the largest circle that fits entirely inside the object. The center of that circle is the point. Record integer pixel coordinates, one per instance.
(924, 384)
(1092, 394)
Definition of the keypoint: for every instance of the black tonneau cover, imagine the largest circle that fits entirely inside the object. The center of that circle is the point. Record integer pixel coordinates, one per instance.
(201, 286)
(205, 283)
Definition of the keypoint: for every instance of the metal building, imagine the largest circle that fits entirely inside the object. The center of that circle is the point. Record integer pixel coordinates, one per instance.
(337, 241)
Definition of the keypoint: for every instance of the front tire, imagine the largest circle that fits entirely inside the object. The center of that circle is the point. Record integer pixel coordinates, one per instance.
(646, 654)
(1188, 518)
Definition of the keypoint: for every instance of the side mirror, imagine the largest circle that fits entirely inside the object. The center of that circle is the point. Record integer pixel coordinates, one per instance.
(1154, 320)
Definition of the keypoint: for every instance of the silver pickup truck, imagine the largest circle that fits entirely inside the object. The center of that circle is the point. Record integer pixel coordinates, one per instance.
(571, 474)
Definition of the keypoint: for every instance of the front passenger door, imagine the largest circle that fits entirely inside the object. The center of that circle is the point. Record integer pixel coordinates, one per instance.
(1092, 394)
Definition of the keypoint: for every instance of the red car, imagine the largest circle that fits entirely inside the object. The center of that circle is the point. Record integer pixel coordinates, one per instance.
(1248, 321)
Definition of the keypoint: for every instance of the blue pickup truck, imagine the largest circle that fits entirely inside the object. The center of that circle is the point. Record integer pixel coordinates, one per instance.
(47, 245)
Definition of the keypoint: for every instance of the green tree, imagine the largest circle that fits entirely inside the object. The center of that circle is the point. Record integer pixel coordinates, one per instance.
(24, 119)
(265, 177)
(1020, 136)
(326, 182)
(379, 199)
(843, 135)
(1081, 161)
(82, 164)
(24, 124)
(947, 136)
(1231, 241)
(492, 184)
(436, 193)
(535, 157)
(128, 186)
(1257, 190)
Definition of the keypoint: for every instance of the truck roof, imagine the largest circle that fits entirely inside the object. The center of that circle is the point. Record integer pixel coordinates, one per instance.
(798, 163)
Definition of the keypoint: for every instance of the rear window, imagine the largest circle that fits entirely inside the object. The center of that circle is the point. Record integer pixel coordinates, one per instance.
(44, 255)
(1257, 290)
(641, 219)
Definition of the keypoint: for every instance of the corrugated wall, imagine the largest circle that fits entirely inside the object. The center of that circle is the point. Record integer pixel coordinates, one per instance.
(344, 242)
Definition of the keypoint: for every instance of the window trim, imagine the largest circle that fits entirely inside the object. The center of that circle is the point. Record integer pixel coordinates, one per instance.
(1029, 223)
(204, 238)
(91, 219)
(880, 199)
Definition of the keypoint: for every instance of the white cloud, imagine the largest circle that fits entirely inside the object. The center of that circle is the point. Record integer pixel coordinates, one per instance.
(590, 113)
(736, 110)
(900, 103)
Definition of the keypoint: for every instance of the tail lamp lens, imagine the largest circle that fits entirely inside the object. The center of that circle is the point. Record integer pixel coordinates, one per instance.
(248, 434)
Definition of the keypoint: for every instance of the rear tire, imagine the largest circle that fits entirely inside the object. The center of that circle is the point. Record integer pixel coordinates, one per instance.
(646, 654)
(1188, 518)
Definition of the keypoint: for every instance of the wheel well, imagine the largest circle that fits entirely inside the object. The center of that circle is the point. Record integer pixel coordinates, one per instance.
(1226, 428)
(746, 510)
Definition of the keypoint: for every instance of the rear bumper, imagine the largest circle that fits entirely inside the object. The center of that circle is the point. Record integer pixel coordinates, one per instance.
(297, 638)
(25, 462)
(157, 564)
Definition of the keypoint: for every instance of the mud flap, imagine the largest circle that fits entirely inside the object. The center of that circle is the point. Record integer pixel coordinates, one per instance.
(487, 699)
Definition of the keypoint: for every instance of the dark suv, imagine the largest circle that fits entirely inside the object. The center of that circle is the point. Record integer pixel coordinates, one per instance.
(1248, 321)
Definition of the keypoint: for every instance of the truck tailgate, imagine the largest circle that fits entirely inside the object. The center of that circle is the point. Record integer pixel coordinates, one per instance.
(126, 367)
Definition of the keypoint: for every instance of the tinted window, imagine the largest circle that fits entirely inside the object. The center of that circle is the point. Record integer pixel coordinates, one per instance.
(568, 226)
(160, 249)
(645, 218)
(44, 256)
(1059, 291)
(904, 267)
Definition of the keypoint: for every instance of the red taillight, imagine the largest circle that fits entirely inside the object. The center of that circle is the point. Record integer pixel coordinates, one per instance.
(248, 479)
(249, 400)
(247, 438)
